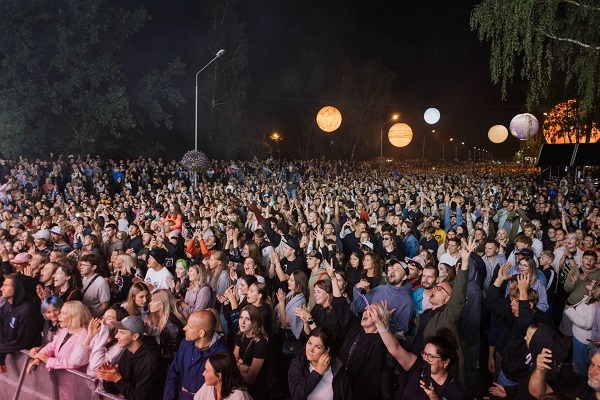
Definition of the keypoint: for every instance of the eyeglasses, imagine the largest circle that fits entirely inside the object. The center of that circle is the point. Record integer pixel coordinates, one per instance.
(429, 357)
(439, 288)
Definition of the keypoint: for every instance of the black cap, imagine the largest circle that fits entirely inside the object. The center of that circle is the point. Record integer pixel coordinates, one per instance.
(590, 253)
(315, 254)
(525, 252)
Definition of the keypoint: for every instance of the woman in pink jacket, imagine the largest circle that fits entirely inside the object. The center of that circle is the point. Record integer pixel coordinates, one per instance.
(74, 319)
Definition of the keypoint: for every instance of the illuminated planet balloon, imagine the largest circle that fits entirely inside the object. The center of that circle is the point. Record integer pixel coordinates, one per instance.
(400, 135)
(329, 118)
(524, 126)
(498, 133)
(432, 115)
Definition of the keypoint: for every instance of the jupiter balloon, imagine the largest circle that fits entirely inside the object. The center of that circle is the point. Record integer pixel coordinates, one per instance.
(329, 118)
(524, 126)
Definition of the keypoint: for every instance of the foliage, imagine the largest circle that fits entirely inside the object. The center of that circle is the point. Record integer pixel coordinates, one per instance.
(565, 124)
(359, 93)
(223, 85)
(551, 41)
(66, 81)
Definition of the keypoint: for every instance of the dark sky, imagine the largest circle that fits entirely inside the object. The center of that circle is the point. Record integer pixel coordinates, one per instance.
(438, 60)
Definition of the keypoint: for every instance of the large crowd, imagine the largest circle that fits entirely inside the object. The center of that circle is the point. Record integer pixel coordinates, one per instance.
(311, 279)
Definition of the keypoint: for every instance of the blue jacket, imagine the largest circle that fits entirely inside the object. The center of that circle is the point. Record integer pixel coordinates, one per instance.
(187, 368)
(398, 298)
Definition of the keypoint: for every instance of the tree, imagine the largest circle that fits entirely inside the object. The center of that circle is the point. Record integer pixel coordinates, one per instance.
(223, 85)
(66, 79)
(552, 41)
(565, 124)
(360, 95)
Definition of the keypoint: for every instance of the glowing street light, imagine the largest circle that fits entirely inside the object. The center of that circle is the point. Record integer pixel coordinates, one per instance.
(394, 118)
(219, 54)
(427, 134)
(443, 149)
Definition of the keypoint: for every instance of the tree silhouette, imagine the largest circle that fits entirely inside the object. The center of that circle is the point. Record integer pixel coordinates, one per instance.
(566, 124)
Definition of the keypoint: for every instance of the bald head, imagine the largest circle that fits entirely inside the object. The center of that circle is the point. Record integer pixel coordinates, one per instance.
(200, 328)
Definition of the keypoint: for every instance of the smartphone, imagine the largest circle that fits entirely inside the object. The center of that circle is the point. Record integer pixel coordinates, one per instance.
(426, 374)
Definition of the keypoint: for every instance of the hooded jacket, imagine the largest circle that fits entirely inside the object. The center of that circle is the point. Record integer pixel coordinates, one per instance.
(21, 321)
(142, 373)
(515, 351)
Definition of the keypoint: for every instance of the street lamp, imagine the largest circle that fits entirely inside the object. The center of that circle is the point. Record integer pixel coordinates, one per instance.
(394, 117)
(456, 150)
(219, 54)
(444, 149)
(427, 134)
(276, 137)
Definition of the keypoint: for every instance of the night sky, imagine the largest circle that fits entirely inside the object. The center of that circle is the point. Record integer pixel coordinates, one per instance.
(438, 60)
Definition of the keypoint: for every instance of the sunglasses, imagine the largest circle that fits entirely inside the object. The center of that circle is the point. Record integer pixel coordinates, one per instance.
(440, 288)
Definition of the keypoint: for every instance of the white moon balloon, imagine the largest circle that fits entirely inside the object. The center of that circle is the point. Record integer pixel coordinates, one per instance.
(498, 134)
(432, 115)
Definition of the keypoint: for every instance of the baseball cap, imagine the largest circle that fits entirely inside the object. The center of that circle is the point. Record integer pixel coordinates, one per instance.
(57, 230)
(22, 258)
(368, 244)
(42, 234)
(292, 242)
(134, 324)
(315, 254)
(590, 253)
(526, 253)
(416, 259)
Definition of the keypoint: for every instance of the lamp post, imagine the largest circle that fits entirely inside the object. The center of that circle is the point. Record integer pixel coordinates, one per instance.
(444, 149)
(276, 138)
(427, 134)
(219, 54)
(394, 117)
(456, 150)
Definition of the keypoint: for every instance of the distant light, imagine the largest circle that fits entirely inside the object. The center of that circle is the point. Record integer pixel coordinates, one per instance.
(432, 115)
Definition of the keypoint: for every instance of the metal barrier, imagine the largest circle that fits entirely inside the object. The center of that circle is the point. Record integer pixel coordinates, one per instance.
(43, 385)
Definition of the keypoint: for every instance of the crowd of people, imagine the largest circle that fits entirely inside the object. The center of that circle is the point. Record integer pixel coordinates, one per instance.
(312, 279)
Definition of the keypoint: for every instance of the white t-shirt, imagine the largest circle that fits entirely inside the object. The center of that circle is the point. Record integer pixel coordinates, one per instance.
(324, 389)
(158, 279)
(207, 393)
(446, 258)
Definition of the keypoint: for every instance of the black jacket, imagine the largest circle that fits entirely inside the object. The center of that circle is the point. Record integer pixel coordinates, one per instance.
(20, 322)
(170, 338)
(142, 372)
(515, 352)
(302, 382)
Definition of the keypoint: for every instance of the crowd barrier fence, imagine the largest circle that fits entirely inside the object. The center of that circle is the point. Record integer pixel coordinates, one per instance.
(43, 385)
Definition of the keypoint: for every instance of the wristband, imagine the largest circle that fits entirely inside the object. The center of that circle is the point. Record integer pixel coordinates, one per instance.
(310, 321)
(383, 330)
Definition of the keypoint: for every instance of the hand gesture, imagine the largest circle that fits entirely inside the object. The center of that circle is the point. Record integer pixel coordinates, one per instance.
(497, 390)
(329, 268)
(429, 391)
(323, 363)
(523, 283)
(94, 327)
(362, 284)
(281, 296)
(544, 359)
(302, 313)
(503, 272)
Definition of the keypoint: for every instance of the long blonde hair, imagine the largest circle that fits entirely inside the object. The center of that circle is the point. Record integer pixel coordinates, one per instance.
(159, 319)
